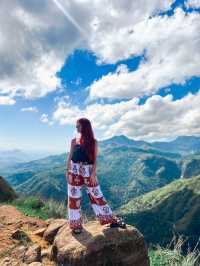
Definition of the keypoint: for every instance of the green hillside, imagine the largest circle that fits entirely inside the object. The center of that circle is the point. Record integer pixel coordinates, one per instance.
(122, 170)
(6, 191)
(174, 208)
(191, 166)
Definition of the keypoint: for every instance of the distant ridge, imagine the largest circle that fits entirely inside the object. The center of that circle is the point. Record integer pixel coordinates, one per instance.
(182, 144)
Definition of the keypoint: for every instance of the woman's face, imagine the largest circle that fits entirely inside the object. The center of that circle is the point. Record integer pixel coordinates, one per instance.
(78, 127)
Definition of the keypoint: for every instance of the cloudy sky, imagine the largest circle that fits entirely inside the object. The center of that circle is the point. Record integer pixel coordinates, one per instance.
(131, 67)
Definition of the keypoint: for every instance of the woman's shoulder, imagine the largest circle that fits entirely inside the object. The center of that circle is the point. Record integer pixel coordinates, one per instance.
(73, 141)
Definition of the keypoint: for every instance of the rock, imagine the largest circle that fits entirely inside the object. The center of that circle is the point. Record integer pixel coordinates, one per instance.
(5, 261)
(10, 262)
(2, 226)
(100, 245)
(20, 251)
(48, 221)
(33, 254)
(47, 252)
(40, 232)
(53, 228)
(20, 235)
(35, 264)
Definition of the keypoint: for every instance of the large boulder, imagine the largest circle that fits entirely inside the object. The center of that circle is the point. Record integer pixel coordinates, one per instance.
(100, 245)
(53, 228)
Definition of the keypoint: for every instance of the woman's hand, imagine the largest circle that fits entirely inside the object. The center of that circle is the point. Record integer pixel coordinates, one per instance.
(68, 175)
(93, 179)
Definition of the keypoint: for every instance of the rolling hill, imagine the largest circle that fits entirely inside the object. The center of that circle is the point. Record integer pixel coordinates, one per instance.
(6, 191)
(122, 169)
(172, 209)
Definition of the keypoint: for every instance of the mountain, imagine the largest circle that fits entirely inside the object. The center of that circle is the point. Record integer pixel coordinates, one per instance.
(182, 145)
(124, 141)
(126, 171)
(172, 209)
(190, 166)
(125, 167)
(11, 158)
(6, 191)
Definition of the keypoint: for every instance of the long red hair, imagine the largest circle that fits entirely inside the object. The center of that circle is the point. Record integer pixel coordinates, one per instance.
(87, 139)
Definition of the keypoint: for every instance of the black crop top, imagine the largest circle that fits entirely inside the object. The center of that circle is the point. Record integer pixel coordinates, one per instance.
(79, 154)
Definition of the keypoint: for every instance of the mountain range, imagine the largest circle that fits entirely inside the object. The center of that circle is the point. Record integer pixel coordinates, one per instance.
(171, 210)
(125, 167)
(155, 186)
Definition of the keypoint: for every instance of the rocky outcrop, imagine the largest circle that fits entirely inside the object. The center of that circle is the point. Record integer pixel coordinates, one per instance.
(6, 191)
(100, 245)
(31, 241)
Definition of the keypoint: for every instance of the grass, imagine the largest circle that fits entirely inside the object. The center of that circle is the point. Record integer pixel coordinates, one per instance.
(38, 207)
(174, 256)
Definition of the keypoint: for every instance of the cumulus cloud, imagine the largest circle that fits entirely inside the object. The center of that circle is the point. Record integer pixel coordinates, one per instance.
(158, 118)
(33, 47)
(45, 119)
(193, 3)
(37, 36)
(166, 41)
(29, 109)
(6, 100)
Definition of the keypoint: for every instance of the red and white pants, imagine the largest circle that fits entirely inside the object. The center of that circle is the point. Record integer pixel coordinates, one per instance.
(80, 174)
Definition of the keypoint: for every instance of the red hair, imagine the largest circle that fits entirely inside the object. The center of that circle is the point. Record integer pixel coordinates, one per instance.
(87, 139)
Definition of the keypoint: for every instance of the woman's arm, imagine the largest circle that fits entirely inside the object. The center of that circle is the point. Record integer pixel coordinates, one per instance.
(94, 164)
(68, 161)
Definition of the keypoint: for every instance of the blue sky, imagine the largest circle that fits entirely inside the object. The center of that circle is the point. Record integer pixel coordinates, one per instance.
(143, 84)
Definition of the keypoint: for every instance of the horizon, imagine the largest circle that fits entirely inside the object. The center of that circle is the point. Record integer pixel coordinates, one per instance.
(50, 152)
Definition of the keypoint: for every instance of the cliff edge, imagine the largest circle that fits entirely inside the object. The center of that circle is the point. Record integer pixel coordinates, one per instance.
(30, 241)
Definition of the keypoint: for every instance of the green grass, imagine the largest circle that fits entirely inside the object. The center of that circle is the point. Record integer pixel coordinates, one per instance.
(37, 207)
(160, 256)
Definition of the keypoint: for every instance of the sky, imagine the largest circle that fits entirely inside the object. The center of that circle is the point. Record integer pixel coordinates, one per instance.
(130, 67)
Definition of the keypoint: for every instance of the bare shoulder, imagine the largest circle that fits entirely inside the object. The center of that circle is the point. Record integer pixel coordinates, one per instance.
(73, 141)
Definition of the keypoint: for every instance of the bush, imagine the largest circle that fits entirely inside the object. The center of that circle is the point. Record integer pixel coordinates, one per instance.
(174, 256)
(54, 209)
(36, 206)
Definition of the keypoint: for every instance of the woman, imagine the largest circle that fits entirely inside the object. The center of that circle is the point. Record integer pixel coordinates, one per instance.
(81, 170)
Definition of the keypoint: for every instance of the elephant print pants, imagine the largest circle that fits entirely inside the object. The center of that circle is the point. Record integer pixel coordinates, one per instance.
(80, 173)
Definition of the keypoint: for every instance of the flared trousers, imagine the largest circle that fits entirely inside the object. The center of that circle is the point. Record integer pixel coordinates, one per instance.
(81, 175)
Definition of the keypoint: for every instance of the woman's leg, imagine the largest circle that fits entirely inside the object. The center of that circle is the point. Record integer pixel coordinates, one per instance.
(98, 202)
(75, 197)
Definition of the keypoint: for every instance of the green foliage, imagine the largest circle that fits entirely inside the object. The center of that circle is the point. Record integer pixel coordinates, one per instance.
(122, 169)
(36, 206)
(174, 256)
(172, 209)
(6, 191)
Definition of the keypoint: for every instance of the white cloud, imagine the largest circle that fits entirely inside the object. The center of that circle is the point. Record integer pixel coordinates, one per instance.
(6, 100)
(192, 3)
(113, 36)
(35, 39)
(158, 118)
(45, 119)
(29, 109)
(166, 41)
(37, 36)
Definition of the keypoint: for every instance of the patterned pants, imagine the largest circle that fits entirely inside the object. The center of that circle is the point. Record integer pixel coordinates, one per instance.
(80, 173)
